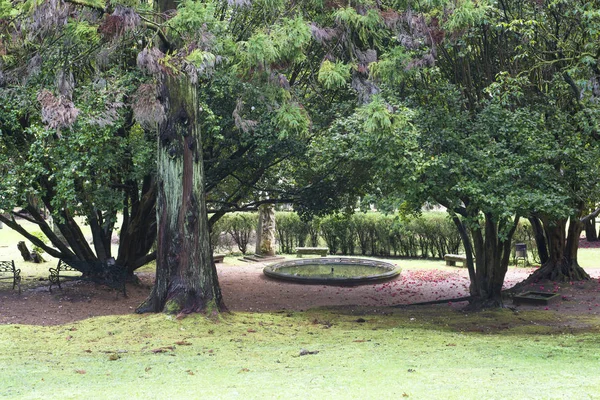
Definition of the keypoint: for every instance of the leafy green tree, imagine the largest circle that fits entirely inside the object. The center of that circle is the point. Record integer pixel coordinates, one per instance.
(68, 142)
(490, 124)
(255, 63)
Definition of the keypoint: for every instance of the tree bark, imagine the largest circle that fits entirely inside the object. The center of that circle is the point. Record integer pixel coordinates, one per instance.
(590, 230)
(25, 253)
(540, 239)
(492, 255)
(265, 232)
(186, 278)
(138, 229)
(563, 245)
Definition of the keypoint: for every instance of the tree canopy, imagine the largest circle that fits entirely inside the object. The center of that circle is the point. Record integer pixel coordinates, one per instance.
(489, 108)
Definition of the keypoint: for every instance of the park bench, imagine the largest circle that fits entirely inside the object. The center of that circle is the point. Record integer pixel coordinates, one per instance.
(451, 259)
(8, 267)
(322, 251)
(103, 273)
(218, 258)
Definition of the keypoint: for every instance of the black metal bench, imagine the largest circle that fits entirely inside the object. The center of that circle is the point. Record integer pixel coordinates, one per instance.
(8, 267)
(104, 273)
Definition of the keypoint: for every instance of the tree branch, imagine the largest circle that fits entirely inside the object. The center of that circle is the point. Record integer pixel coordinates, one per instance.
(594, 214)
(11, 223)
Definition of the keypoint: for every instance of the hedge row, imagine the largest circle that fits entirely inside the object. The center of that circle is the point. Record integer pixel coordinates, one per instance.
(431, 235)
(375, 234)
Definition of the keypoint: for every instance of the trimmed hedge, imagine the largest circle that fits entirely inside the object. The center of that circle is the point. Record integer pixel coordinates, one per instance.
(234, 229)
(430, 235)
(375, 234)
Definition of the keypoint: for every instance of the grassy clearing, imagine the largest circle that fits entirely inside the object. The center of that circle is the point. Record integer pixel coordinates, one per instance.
(256, 356)
(424, 353)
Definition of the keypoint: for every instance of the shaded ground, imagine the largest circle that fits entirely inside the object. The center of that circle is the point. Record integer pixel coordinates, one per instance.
(245, 288)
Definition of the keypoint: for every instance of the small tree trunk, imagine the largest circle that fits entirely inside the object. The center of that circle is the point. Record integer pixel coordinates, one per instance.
(540, 239)
(37, 258)
(492, 254)
(25, 253)
(266, 245)
(138, 230)
(590, 230)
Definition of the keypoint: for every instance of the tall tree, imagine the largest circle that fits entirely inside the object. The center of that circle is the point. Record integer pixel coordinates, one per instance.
(496, 135)
(68, 140)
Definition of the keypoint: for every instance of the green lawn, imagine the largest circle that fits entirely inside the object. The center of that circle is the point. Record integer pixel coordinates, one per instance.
(426, 353)
(258, 356)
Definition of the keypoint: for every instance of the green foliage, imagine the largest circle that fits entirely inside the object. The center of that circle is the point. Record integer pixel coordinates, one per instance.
(291, 231)
(375, 234)
(240, 226)
(291, 38)
(202, 58)
(41, 237)
(7, 9)
(333, 75)
(292, 120)
(194, 16)
(366, 26)
(259, 51)
(467, 13)
(83, 31)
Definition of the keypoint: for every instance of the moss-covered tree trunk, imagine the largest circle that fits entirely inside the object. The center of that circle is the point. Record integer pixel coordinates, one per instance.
(186, 279)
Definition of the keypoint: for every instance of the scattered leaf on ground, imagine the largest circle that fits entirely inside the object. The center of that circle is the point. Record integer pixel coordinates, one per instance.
(305, 352)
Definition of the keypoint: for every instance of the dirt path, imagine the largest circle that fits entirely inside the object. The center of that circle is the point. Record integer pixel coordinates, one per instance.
(245, 288)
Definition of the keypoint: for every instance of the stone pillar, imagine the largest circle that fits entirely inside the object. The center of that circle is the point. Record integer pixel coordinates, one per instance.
(265, 232)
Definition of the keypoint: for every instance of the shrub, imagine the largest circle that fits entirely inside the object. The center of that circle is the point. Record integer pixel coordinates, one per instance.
(43, 238)
(290, 230)
(219, 238)
(240, 227)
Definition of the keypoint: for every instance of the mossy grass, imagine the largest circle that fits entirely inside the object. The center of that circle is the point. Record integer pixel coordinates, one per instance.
(422, 353)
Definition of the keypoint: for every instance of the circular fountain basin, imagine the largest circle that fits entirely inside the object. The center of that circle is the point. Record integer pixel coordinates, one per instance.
(332, 271)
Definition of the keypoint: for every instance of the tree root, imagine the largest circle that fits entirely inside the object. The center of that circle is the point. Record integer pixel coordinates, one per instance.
(563, 272)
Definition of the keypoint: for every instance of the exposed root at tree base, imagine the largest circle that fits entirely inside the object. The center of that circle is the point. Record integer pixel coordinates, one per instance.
(565, 272)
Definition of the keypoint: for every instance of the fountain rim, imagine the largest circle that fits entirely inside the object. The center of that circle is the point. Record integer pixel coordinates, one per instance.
(391, 271)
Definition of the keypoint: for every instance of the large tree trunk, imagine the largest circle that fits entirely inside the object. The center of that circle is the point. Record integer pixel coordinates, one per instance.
(562, 265)
(492, 255)
(186, 278)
